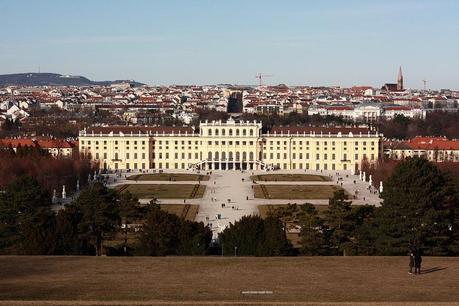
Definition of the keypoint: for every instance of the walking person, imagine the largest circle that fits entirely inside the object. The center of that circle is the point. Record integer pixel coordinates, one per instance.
(411, 263)
(417, 262)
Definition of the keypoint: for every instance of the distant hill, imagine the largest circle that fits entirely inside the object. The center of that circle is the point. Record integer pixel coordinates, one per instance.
(54, 79)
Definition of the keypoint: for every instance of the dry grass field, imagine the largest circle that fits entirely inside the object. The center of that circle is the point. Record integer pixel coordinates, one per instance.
(264, 210)
(208, 280)
(168, 177)
(304, 192)
(187, 211)
(164, 191)
(290, 178)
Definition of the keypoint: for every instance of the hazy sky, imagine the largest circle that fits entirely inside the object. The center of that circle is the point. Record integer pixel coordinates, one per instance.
(340, 42)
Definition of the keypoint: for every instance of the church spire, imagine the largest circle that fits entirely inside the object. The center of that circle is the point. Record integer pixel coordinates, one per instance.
(400, 79)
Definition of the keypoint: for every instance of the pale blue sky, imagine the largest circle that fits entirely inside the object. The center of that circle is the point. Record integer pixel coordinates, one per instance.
(340, 42)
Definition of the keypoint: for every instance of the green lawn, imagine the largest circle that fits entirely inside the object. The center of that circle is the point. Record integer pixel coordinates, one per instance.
(290, 178)
(164, 191)
(305, 192)
(168, 177)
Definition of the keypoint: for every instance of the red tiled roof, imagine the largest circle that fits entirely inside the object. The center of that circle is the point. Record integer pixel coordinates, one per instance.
(53, 143)
(45, 143)
(23, 142)
(433, 143)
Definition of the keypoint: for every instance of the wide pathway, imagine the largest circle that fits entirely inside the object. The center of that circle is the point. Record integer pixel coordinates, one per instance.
(229, 194)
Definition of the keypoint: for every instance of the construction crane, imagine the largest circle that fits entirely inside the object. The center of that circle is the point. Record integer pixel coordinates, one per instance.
(425, 84)
(260, 77)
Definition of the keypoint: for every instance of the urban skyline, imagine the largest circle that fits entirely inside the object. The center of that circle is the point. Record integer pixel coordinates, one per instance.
(299, 43)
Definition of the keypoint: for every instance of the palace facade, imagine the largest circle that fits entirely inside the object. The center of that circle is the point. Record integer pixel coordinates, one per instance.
(230, 145)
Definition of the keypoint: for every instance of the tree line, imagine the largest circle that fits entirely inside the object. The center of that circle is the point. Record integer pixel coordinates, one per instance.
(420, 211)
(436, 124)
(385, 167)
(51, 173)
(99, 216)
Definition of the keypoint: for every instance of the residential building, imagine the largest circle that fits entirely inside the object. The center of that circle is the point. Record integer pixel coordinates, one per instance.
(55, 147)
(438, 149)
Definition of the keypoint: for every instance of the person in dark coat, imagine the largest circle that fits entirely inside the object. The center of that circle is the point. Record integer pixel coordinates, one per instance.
(411, 263)
(417, 262)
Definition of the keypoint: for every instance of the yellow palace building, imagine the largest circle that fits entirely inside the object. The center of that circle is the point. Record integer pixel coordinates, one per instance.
(230, 145)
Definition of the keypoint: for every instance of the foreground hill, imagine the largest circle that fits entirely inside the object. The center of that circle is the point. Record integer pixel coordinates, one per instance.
(198, 280)
(44, 79)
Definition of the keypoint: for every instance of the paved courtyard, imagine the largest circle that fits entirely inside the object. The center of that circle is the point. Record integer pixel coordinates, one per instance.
(229, 194)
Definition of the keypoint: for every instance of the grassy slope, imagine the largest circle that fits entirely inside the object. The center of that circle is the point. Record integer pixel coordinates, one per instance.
(312, 279)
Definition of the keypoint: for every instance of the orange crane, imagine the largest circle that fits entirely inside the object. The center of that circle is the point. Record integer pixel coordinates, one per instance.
(260, 77)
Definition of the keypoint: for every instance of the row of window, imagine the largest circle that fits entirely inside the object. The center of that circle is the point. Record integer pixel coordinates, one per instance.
(230, 143)
(271, 142)
(318, 156)
(210, 156)
(88, 142)
(237, 156)
(230, 132)
(325, 143)
(294, 166)
(223, 143)
(176, 142)
(135, 166)
(317, 148)
(117, 156)
(105, 148)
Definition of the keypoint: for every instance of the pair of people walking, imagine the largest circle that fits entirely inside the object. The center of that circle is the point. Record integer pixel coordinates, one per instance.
(415, 262)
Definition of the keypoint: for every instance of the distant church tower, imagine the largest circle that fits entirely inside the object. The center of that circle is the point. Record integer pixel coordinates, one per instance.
(400, 79)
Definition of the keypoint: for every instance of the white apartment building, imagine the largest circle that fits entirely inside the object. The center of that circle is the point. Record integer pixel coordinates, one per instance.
(367, 111)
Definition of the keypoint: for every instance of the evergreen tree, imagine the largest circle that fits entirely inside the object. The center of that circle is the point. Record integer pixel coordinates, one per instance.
(38, 233)
(275, 242)
(129, 208)
(313, 234)
(23, 207)
(363, 235)
(243, 237)
(194, 238)
(160, 233)
(253, 236)
(99, 214)
(286, 214)
(339, 221)
(68, 239)
(418, 211)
